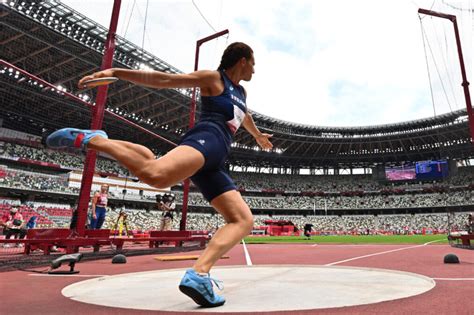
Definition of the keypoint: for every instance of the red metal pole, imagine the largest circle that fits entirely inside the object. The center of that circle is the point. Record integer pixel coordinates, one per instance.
(192, 114)
(192, 117)
(96, 123)
(465, 83)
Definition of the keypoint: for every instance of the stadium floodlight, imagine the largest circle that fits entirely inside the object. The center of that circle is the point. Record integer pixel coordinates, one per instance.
(145, 67)
(85, 97)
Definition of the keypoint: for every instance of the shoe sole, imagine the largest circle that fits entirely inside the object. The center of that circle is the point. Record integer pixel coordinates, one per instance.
(197, 297)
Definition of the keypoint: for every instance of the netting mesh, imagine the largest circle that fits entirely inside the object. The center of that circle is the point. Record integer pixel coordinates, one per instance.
(32, 108)
(39, 179)
(36, 106)
(441, 53)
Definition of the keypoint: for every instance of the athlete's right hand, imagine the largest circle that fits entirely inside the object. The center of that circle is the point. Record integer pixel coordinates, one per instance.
(97, 75)
(263, 141)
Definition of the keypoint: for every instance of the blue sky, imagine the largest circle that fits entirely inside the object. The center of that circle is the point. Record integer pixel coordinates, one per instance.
(329, 63)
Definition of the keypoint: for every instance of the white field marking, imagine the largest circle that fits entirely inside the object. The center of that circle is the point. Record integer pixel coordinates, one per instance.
(314, 245)
(363, 245)
(454, 279)
(434, 241)
(380, 253)
(247, 256)
(65, 275)
(354, 245)
(368, 245)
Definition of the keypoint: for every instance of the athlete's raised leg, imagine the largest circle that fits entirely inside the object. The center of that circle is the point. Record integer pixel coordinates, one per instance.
(139, 149)
(177, 165)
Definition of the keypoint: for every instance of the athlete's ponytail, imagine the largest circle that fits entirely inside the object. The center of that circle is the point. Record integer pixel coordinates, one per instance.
(233, 53)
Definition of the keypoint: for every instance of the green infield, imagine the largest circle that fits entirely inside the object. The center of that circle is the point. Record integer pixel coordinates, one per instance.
(351, 239)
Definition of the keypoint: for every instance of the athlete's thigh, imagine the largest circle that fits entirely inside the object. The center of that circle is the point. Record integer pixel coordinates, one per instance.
(180, 163)
(232, 206)
(213, 182)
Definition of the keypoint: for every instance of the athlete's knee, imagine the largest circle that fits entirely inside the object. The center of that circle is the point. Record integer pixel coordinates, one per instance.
(248, 223)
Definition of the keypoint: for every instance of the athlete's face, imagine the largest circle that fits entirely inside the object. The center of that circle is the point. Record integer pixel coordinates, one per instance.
(248, 68)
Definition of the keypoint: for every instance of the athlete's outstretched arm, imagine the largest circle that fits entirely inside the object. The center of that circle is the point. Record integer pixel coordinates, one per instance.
(158, 79)
(261, 138)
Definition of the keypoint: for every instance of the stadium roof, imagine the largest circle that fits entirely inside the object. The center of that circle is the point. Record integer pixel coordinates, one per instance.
(59, 45)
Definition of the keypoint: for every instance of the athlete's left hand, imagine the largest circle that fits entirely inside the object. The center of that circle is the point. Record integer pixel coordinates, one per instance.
(263, 141)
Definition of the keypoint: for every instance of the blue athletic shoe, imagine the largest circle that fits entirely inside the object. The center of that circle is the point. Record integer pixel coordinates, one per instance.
(72, 138)
(199, 288)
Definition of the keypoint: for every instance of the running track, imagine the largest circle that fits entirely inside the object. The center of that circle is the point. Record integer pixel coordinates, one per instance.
(27, 293)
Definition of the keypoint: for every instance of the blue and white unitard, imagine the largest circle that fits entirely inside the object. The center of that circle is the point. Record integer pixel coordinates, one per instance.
(221, 117)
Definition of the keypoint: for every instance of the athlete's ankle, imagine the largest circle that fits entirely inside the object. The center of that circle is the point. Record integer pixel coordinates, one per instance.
(95, 141)
(200, 271)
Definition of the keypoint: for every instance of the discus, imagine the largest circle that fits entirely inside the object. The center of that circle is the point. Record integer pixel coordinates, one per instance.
(99, 82)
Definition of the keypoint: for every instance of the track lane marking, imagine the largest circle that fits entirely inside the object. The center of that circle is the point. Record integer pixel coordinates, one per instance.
(247, 256)
(454, 279)
(380, 253)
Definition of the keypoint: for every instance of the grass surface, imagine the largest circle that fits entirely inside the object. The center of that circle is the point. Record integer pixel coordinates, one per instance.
(350, 239)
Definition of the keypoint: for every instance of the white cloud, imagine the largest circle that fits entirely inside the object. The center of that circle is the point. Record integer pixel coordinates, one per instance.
(332, 63)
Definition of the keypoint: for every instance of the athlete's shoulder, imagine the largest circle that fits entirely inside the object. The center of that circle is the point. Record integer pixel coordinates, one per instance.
(208, 74)
(210, 82)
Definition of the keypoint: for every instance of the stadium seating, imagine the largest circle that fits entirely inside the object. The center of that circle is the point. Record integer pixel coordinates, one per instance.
(260, 191)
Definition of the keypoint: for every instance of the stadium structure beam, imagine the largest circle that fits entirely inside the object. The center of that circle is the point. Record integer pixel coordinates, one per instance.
(74, 77)
(465, 83)
(192, 114)
(118, 91)
(36, 52)
(134, 99)
(172, 119)
(15, 37)
(153, 110)
(165, 116)
(55, 65)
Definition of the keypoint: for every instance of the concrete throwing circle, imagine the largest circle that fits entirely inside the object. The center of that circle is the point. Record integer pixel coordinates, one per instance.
(255, 288)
